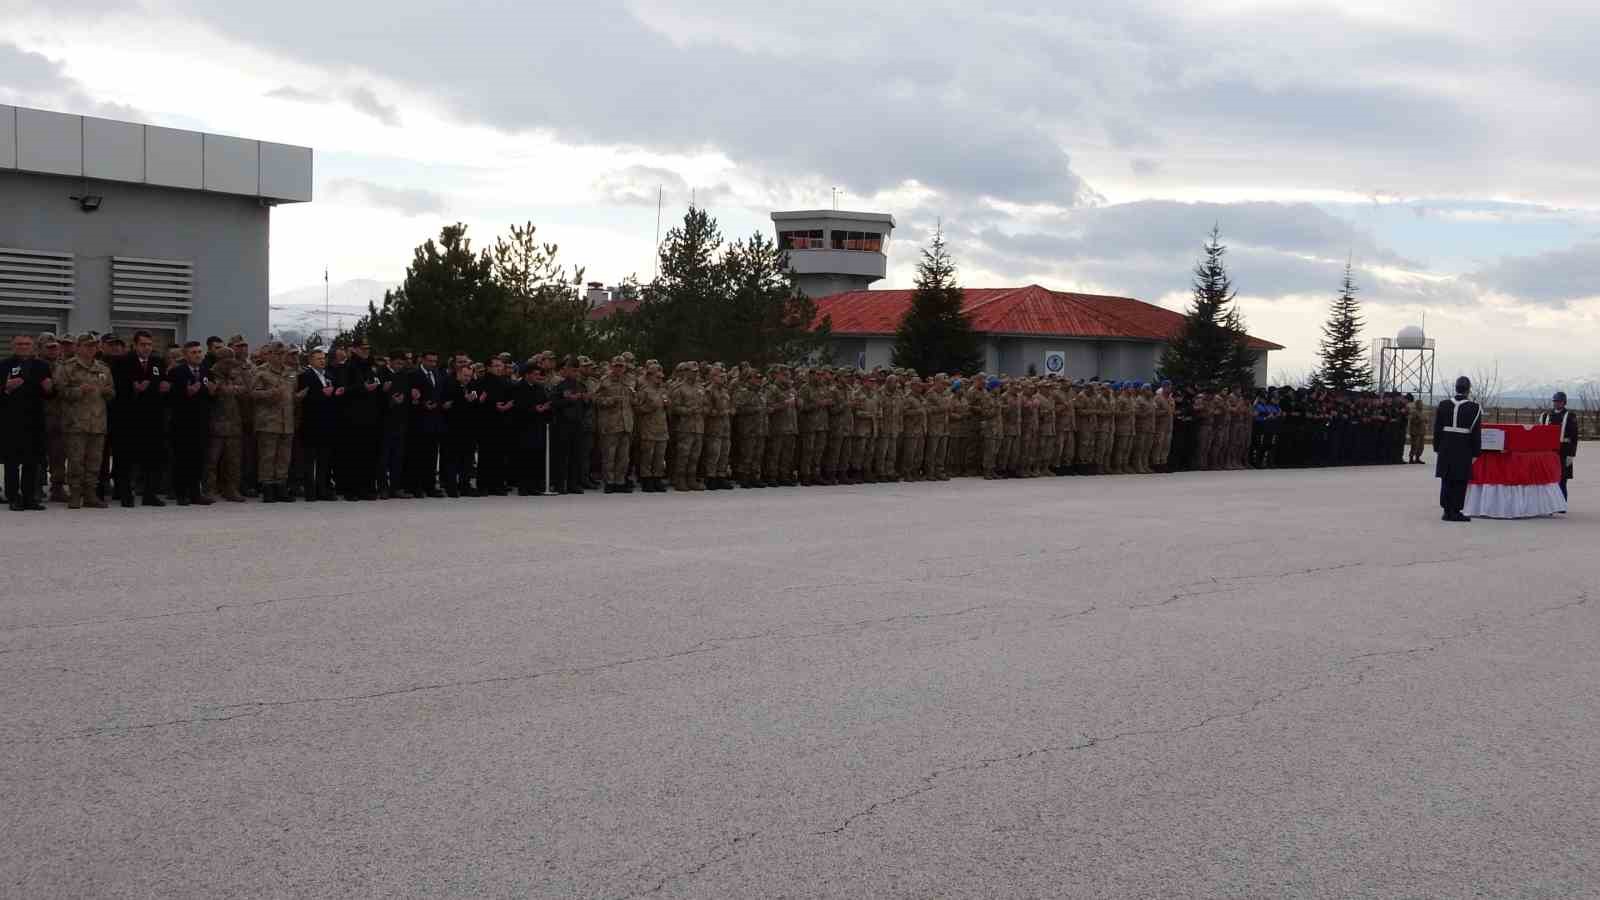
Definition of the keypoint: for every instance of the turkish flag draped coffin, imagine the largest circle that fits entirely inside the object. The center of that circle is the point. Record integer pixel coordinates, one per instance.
(1521, 481)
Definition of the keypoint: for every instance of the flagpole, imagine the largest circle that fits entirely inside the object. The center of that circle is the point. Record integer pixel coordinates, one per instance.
(325, 307)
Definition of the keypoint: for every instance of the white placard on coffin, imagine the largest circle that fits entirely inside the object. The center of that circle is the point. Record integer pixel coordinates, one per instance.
(1494, 439)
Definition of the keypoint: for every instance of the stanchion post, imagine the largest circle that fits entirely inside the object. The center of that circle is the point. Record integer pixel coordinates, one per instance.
(548, 492)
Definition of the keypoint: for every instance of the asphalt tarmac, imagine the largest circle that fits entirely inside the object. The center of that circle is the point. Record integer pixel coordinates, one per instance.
(1231, 684)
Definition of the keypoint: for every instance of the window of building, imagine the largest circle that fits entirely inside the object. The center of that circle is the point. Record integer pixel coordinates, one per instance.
(868, 241)
(801, 240)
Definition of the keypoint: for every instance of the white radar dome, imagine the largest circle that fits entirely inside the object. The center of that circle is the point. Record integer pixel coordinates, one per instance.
(1410, 338)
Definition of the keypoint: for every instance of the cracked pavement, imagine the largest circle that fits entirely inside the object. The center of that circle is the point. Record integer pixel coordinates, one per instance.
(1277, 684)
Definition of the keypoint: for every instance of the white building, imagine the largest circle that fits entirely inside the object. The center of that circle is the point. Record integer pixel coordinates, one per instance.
(117, 225)
(832, 251)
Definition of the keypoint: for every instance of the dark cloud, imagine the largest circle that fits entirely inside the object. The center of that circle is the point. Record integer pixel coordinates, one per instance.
(33, 79)
(1557, 278)
(410, 201)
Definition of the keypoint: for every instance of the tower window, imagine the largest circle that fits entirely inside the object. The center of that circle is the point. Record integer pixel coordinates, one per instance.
(801, 240)
(869, 241)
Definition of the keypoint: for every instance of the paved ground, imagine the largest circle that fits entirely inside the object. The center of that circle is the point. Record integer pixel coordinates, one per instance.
(1228, 684)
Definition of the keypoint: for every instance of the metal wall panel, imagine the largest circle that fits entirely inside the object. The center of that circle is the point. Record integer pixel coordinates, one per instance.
(49, 142)
(113, 150)
(285, 172)
(174, 158)
(8, 137)
(233, 165)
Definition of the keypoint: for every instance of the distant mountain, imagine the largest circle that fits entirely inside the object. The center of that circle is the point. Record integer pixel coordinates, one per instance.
(295, 314)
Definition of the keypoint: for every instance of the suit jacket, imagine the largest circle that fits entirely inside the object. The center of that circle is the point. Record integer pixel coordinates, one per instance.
(319, 414)
(1457, 438)
(191, 414)
(530, 422)
(432, 390)
(132, 410)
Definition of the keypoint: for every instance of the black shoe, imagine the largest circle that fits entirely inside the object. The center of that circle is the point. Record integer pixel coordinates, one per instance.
(269, 494)
(153, 500)
(127, 503)
(578, 490)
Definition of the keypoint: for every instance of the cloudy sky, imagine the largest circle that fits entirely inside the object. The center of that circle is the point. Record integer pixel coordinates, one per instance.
(1447, 149)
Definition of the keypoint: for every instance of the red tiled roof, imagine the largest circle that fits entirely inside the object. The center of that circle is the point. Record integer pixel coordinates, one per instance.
(610, 308)
(1030, 310)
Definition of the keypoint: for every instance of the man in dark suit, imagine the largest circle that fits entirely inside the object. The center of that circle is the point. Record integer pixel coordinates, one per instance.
(190, 398)
(531, 412)
(359, 443)
(1559, 415)
(1457, 440)
(136, 416)
(427, 425)
(319, 425)
(26, 384)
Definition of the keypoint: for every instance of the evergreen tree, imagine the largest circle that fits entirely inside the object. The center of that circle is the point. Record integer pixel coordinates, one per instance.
(449, 301)
(1345, 366)
(710, 301)
(544, 308)
(1211, 350)
(936, 335)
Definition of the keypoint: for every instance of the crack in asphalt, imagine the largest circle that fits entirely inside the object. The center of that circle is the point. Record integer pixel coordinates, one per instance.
(716, 854)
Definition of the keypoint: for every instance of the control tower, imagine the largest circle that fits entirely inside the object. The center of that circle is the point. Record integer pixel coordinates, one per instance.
(833, 251)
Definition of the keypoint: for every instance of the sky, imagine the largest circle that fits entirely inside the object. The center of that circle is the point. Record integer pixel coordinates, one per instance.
(1444, 150)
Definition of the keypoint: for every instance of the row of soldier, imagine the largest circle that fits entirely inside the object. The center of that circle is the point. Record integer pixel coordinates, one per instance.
(219, 421)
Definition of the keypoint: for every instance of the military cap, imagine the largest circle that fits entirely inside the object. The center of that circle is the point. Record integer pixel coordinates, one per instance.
(237, 339)
(585, 361)
(627, 355)
(46, 337)
(619, 361)
(86, 338)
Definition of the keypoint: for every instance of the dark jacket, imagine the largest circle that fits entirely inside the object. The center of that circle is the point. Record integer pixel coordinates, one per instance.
(133, 411)
(362, 408)
(569, 410)
(426, 419)
(22, 410)
(1457, 438)
(530, 420)
(319, 413)
(191, 413)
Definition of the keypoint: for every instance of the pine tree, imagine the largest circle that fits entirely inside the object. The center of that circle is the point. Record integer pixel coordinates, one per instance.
(1344, 362)
(1211, 350)
(448, 302)
(936, 335)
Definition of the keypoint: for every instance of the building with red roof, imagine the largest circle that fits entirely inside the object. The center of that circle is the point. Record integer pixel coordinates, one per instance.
(1025, 328)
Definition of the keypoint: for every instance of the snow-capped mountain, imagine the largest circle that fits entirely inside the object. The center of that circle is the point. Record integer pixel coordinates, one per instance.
(295, 314)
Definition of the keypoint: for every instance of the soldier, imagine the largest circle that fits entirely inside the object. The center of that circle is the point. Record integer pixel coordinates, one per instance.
(1417, 424)
(936, 403)
(1161, 446)
(913, 430)
(613, 404)
(983, 410)
(85, 386)
(688, 404)
(1087, 412)
(750, 409)
(864, 415)
(1457, 441)
(588, 441)
(783, 427)
(1203, 431)
(273, 397)
(891, 412)
(246, 373)
(1144, 423)
(650, 418)
(49, 350)
(1066, 429)
(814, 397)
(1106, 422)
(714, 462)
(223, 452)
(841, 426)
(1045, 448)
(955, 461)
(1028, 438)
(1559, 416)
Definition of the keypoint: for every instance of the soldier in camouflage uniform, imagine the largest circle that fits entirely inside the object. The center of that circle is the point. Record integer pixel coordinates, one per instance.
(1144, 430)
(714, 464)
(958, 433)
(650, 418)
(1028, 437)
(1204, 432)
(841, 426)
(750, 418)
(815, 397)
(1122, 415)
(864, 404)
(1010, 400)
(1088, 414)
(1046, 449)
(687, 401)
(891, 402)
(983, 411)
(273, 395)
(1161, 447)
(84, 386)
(613, 409)
(936, 401)
(224, 451)
(1066, 429)
(913, 430)
(50, 351)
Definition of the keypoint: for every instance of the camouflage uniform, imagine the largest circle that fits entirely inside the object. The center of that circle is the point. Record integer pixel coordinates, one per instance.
(891, 407)
(841, 426)
(1417, 420)
(815, 397)
(224, 451)
(959, 432)
(714, 462)
(937, 403)
(1161, 447)
(750, 410)
(1028, 438)
(983, 410)
(1066, 429)
(1046, 451)
(1204, 432)
(1144, 433)
(1087, 410)
(913, 433)
(688, 403)
(1122, 416)
(613, 410)
(1010, 398)
(650, 418)
(273, 396)
(864, 402)
(83, 390)
(783, 428)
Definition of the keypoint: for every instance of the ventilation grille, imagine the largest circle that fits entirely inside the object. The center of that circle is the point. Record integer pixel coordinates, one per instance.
(151, 285)
(36, 278)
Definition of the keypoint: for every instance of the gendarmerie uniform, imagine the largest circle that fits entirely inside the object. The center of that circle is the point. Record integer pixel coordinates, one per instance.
(1457, 440)
(1569, 440)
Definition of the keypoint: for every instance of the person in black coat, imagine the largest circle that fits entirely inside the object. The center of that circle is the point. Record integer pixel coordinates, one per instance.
(136, 417)
(531, 408)
(189, 396)
(1457, 440)
(319, 425)
(362, 410)
(495, 434)
(22, 435)
(1560, 416)
(460, 432)
(426, 426)
(395, 384)
(566, 462)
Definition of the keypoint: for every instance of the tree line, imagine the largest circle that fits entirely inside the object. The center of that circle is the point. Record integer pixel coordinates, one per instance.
(737, 301)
